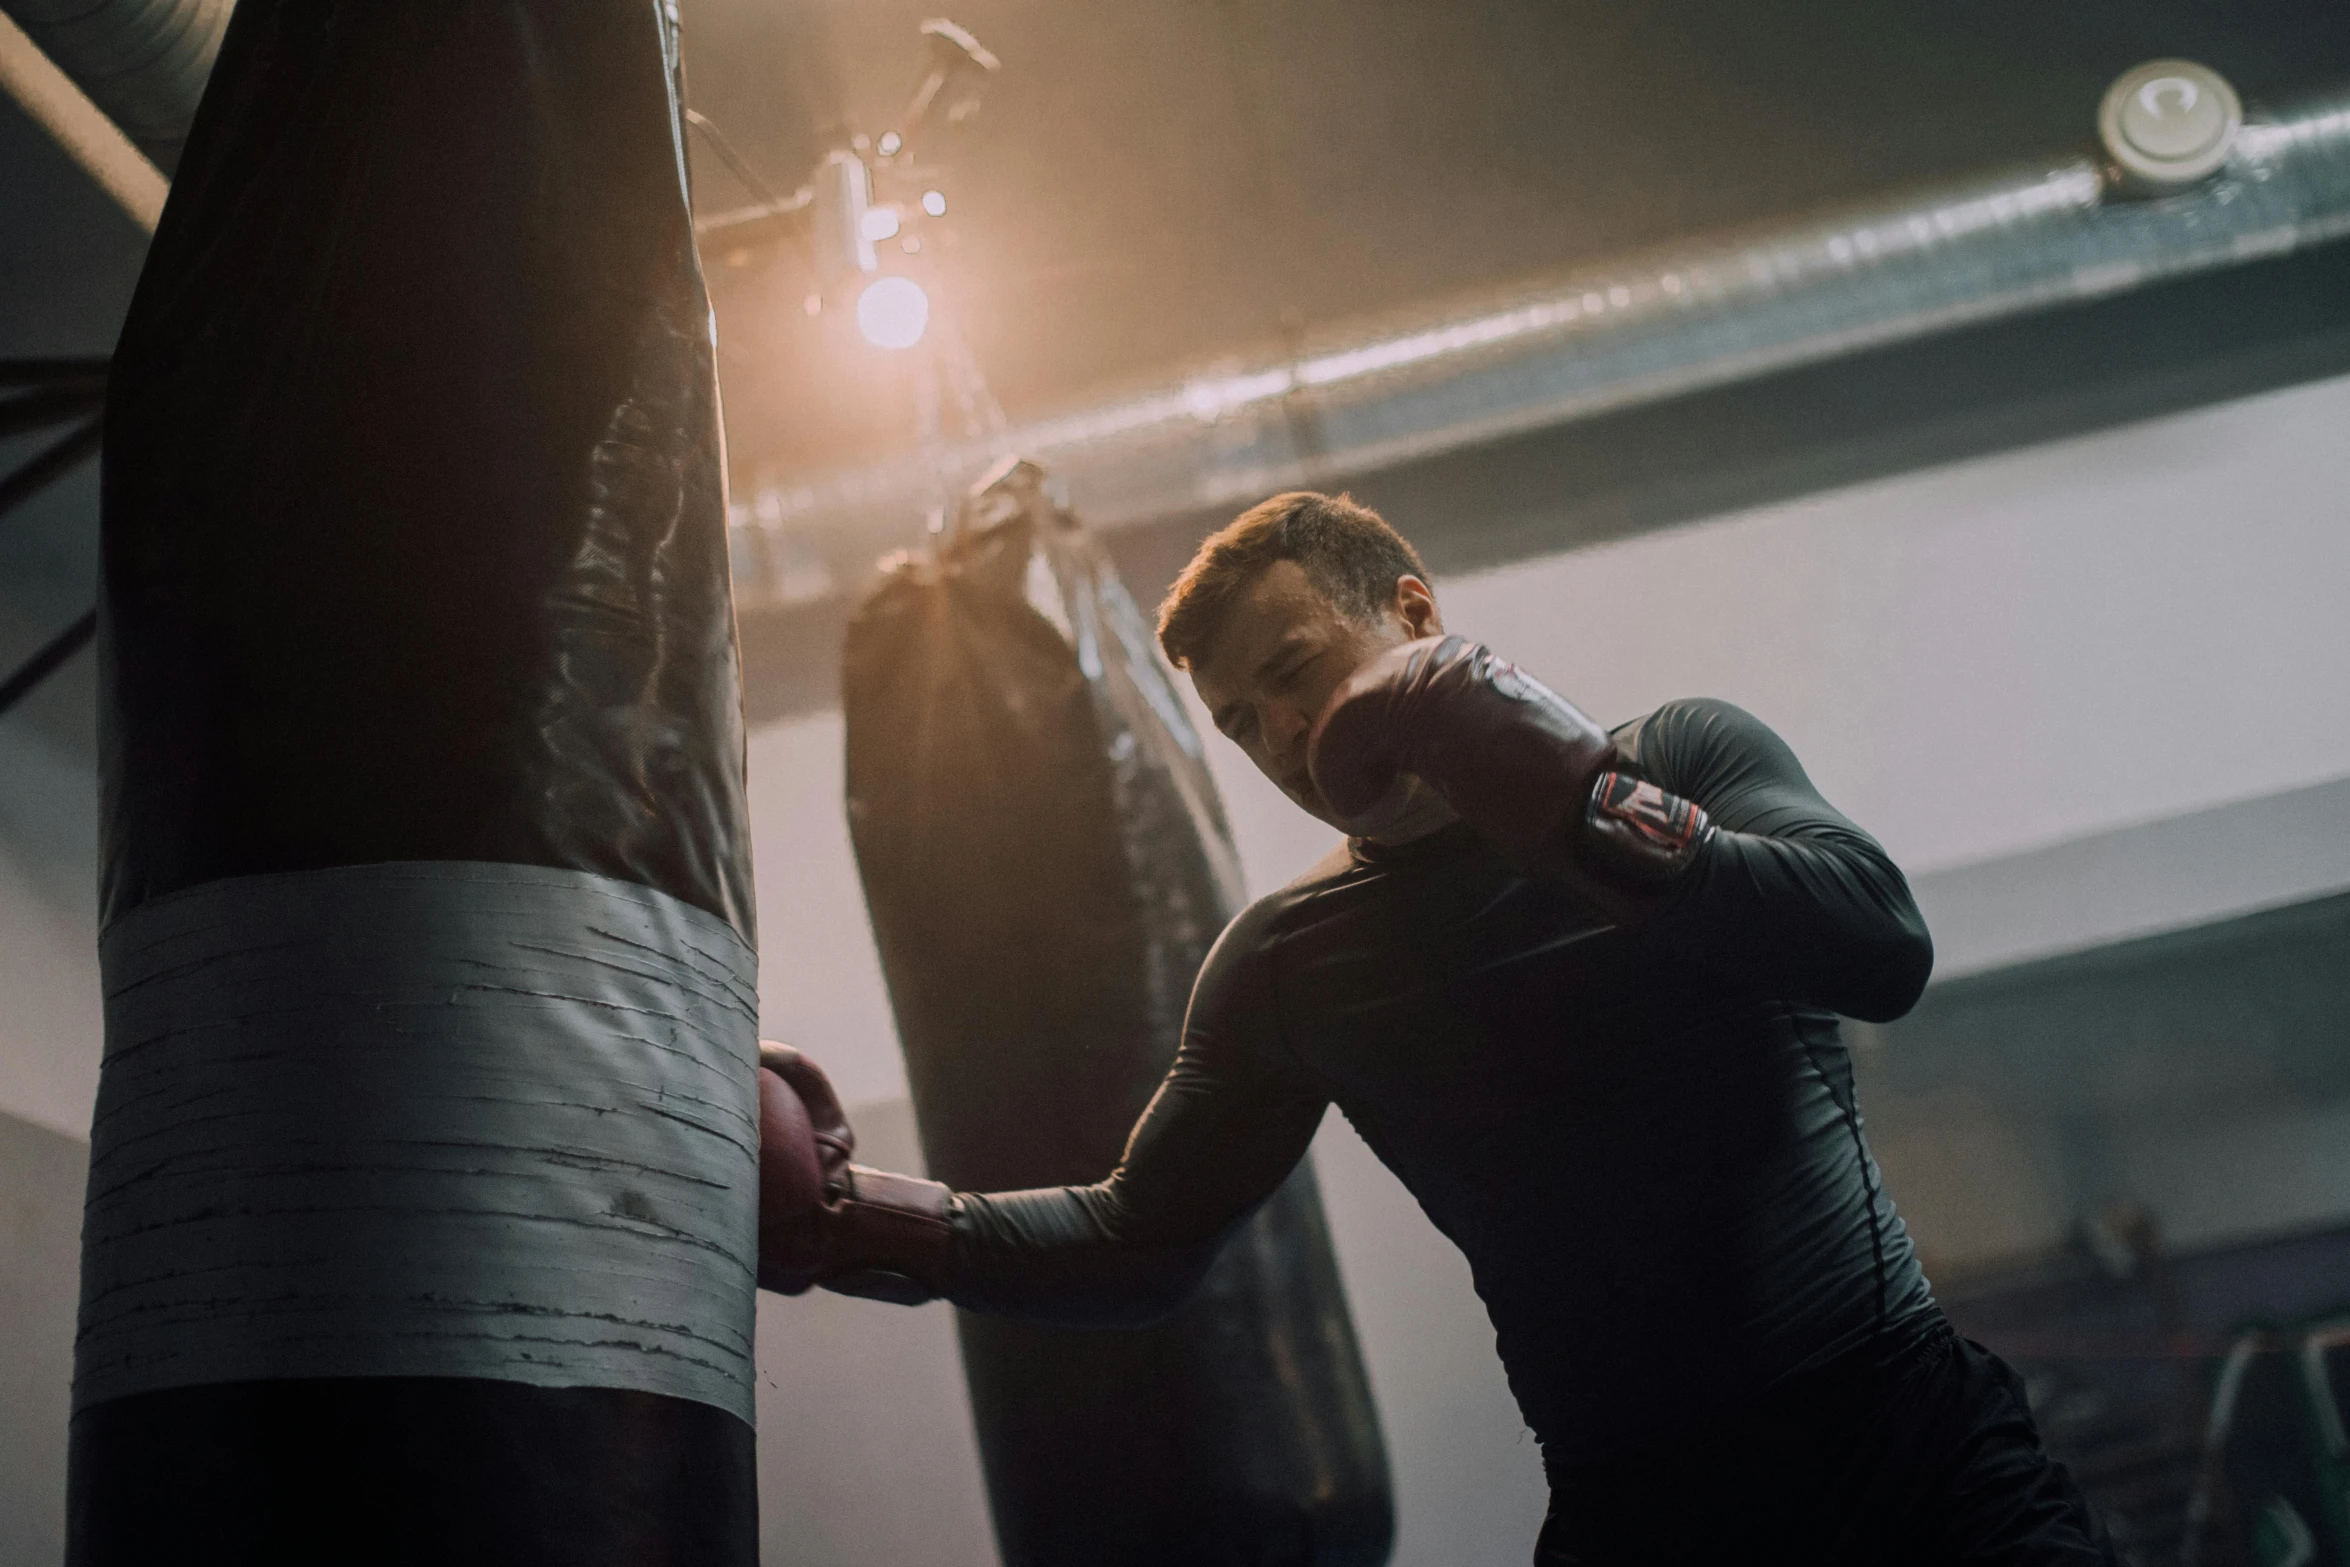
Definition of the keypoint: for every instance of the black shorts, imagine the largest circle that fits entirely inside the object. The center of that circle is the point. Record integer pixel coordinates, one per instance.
(1915, 1453)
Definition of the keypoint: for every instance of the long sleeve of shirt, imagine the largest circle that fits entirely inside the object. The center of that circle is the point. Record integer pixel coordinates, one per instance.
(1230, 1122)
(1789, 897)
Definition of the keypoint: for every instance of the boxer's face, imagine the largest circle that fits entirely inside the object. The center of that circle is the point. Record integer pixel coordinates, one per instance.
(1280, 651)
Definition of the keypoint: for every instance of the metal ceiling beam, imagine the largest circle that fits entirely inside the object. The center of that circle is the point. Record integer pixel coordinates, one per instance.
(1702, 315)
(88, 134)
(141, 64)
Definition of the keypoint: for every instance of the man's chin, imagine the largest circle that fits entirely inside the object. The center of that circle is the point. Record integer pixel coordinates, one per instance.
(1309, 799)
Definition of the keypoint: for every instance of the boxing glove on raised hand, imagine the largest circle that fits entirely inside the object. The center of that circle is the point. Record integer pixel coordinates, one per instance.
(1514, 759)
(825, 1220)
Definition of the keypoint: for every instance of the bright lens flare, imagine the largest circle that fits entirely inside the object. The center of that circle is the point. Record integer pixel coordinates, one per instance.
(893, 312)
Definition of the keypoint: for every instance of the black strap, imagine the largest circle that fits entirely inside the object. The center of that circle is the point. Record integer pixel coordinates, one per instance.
(41, 665)
(50, 464)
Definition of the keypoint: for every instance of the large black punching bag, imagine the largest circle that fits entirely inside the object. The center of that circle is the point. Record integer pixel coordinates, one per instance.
(422, 1201)
(1046, 863)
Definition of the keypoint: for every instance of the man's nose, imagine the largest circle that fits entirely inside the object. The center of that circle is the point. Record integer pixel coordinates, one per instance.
(1287, 726)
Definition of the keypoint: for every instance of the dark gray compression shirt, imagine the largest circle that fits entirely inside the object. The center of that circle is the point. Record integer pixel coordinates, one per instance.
(1644, 1140)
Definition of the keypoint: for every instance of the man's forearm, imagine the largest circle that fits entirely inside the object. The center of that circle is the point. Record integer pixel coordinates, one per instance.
(1218, 1138)
(1057, 1254)
(1070, 1254)
(1825, 921)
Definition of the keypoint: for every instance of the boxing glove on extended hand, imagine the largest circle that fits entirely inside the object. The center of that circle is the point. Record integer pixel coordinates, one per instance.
(824, 1220)
(1513, 759)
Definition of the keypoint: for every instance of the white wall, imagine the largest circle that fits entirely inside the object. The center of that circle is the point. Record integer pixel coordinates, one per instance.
(41, 1174)
(49, 1022)
(2006, 652)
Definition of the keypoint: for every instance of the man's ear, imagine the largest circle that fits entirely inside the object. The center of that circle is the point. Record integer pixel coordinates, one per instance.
(1415, 606)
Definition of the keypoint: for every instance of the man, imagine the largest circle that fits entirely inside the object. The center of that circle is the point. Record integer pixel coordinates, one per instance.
(1578, 989)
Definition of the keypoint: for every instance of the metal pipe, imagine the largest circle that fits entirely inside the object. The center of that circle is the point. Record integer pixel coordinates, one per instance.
(1701, 315)
(143, 62)
(79, 126)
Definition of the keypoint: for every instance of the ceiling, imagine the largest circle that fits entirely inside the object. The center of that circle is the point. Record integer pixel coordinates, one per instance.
(1171, 184)
(1153, 185)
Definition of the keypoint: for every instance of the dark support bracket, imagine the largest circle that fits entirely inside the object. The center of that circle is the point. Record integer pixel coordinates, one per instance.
(50, 464)
(53, 372)
(43, 664)
(47, 405)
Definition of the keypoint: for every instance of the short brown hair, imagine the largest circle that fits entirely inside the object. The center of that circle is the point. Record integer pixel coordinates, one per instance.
(1347, 550)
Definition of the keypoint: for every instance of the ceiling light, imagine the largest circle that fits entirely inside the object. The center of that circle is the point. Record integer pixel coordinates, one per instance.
(893, 312)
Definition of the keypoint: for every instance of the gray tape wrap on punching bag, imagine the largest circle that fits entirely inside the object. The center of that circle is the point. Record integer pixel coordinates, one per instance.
(424, 1120)
(1046, 864)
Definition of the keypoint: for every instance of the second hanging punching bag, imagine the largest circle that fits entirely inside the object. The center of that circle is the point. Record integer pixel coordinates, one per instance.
(423, 1189)
(1046, 864)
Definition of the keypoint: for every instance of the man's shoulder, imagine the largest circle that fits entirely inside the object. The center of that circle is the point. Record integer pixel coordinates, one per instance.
(1691, 716)
(1263, 920)
(1231, 997)
(1729, 761)
(1691, 733)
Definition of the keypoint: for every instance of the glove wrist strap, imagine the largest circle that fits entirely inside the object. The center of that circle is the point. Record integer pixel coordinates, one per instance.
(1626, 849)
(892, 1237)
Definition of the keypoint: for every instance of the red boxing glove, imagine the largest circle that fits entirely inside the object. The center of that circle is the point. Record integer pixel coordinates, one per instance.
(824, 1220)
(791, 1175)
(1514, 759)
(804, 1145)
